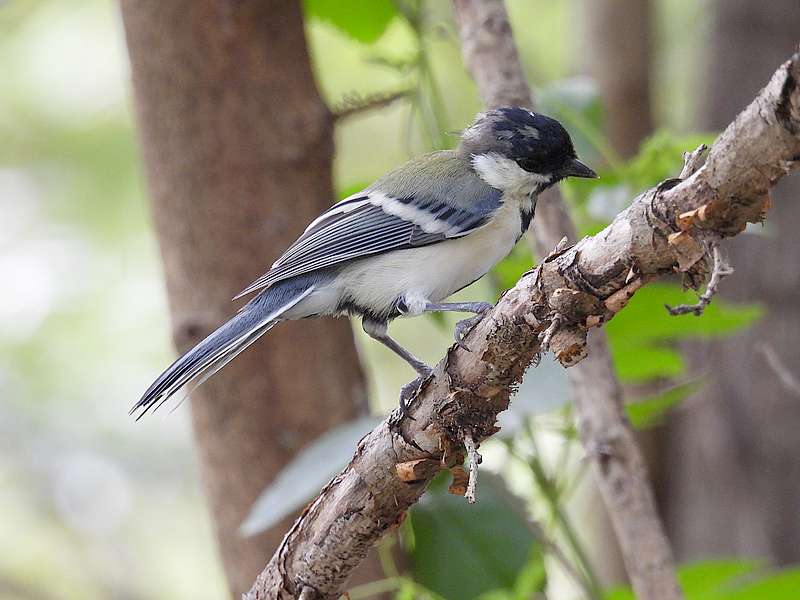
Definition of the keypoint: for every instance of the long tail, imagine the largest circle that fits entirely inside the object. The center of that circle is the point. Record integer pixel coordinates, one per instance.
(224, 344)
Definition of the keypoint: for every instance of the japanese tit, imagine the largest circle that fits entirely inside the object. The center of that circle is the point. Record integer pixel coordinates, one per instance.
(401, 246)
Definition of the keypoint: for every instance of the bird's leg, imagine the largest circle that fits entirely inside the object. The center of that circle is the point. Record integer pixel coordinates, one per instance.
(474, 307)
(378, 331)
(464, 326)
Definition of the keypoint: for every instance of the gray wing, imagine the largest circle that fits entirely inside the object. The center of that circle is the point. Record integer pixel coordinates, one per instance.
(372, 223)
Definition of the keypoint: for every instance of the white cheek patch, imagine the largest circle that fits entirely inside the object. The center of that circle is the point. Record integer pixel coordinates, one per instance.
(503, 173)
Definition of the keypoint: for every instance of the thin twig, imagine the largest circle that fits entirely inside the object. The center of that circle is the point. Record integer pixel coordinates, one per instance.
(692, 161)
(785, 376)
(548, 334)
(720, 270)
(354, 104)
(474, 460)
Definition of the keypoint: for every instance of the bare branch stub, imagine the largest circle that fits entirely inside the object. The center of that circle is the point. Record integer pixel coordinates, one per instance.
(692, 161)
(475, 459)
(547, 334)
(720, 270)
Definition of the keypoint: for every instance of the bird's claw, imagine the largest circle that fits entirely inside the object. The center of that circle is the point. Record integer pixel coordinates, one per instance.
(409, 391)
(464, 326)
(462, 330)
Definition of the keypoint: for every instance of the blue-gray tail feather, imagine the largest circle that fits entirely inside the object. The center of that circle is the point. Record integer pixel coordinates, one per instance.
(224, 344)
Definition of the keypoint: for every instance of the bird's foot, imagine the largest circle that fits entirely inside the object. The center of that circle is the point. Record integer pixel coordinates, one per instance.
(464, 326)
(410, 390)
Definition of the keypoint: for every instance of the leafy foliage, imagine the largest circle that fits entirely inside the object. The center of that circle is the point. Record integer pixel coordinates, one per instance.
(729, 580)
(597, 201)
(361, 20)
(652, 410)
(530, 580)
(641, 336)
(463, 551)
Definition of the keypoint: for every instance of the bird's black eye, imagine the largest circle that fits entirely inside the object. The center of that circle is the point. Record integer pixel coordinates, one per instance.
(528, 164)
(540, 160)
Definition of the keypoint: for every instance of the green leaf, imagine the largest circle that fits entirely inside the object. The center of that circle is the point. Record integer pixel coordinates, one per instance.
(641, 335)
(619, 593)
(598, 200)
(307, 472)
(463, 550)
(661, 157)
(783, 585)
(711, 580)
(498, 595)
(362, 20)
(702, 578)
(407, 591)
(646, 319)
(652, 410)
(638, 363)
(533, 578)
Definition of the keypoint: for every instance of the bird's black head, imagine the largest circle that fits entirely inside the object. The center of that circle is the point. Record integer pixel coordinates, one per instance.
(536, 143)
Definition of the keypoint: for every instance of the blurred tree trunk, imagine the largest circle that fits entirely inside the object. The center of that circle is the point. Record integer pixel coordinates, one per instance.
(616, 53)
(237, 148)
(731, 472)
(617, 56)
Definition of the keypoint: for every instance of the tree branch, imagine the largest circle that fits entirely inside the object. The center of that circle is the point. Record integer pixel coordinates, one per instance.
(491, 55)
(468, 389)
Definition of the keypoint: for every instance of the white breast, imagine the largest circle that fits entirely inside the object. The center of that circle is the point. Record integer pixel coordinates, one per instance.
(431, 272)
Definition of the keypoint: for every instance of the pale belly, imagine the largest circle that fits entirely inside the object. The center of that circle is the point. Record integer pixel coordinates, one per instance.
(430, 273)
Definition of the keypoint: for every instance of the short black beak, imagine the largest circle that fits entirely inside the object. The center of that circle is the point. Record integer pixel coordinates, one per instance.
(576, 168)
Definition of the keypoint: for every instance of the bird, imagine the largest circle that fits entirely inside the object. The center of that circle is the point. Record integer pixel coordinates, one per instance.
(400, 247)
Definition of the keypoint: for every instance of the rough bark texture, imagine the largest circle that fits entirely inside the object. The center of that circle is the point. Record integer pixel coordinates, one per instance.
(584, 286)
(237, 148)
(617, 55)
(491, 56)
(731, 474)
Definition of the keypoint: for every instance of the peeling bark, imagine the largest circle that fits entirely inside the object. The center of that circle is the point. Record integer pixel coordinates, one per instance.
(469, 389)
